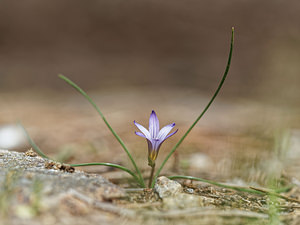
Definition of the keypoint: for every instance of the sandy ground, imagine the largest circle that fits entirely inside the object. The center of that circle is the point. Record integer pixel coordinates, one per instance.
(232, 132)
(238, 141)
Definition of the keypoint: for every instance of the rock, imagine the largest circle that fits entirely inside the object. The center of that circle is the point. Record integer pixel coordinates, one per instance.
(173, 197)
(166, 187)
(28, 169)
(182, 201)
(28, 188)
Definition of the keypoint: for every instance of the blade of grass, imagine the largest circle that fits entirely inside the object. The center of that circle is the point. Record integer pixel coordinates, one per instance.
(32, 143)
(203, 112)
(284, 189)
(249, 190)
(110, 165)
(107, 124)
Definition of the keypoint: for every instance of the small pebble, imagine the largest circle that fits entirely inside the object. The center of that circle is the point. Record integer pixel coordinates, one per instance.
(166, 187)
(11, 136)
(190, 190)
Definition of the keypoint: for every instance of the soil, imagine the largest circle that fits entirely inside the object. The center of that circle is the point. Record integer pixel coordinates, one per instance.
(238, 142)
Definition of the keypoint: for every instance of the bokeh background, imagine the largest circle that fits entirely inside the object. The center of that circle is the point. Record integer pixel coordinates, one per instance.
(134, 56)
(103, 44)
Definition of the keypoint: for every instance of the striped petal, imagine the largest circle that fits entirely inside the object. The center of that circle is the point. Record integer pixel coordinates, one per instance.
(153, 125)
(143, 130)
(140, 134)
(171, 134)
(162, 141)
(163, 133)
(155, 144)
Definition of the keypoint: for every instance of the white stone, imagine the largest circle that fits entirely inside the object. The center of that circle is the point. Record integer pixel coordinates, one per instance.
(11, 136)
(166, 187)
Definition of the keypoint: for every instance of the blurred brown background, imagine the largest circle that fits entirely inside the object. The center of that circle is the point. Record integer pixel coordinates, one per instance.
(134, 56)
(137, 55)
(153, 43)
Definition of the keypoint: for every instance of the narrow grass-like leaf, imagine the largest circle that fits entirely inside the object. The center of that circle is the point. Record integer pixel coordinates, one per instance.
(107, 124)
(244, 189)
(284, 189)
(203, 112)
(110, 165)
(40, 152)
(32, 143)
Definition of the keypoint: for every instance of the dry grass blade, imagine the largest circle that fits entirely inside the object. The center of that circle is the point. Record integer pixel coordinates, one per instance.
(208, 211)
(276, 194)
(107, 207)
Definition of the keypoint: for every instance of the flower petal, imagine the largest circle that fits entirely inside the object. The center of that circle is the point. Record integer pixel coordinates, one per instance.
(155, 144)
(162, 141)
(140, 134)
(153, 125)
(171, 134)
(165, 131)
(150, 146)
(143, 129)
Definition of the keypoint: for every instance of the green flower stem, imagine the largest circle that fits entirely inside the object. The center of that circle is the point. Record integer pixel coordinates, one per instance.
(244, 189)
(151, 175)
(107, 124)
(32, 143)
(203, 112)
(110, 165)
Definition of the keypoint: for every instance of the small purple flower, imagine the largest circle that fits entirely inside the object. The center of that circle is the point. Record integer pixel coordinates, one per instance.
(154, 136)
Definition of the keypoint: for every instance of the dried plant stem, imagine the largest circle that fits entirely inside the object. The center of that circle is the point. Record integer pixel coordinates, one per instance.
(203, 112)
(108, 207)
(204, 212)
(275, 194)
